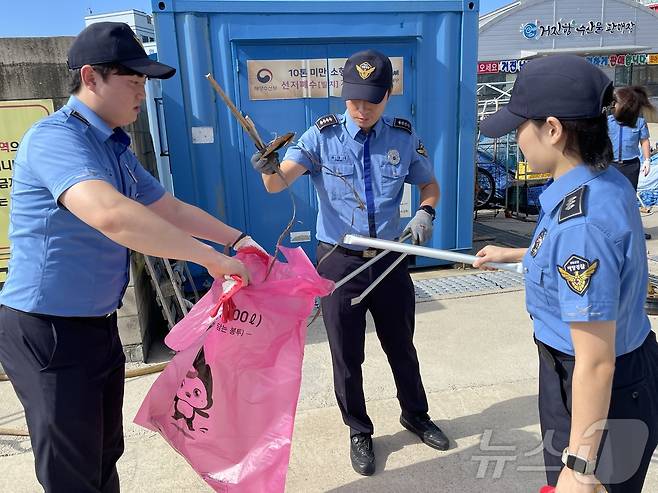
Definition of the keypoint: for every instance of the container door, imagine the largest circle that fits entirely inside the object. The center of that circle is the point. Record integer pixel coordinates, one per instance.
(294, 108)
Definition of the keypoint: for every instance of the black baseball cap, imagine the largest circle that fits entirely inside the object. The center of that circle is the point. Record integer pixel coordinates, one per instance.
(367, 75)
(567, 87)
(114, 42)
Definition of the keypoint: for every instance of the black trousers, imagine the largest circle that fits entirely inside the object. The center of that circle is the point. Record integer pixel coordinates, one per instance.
(68, 373)
(392, 305)
(631, 432)
(630, 169)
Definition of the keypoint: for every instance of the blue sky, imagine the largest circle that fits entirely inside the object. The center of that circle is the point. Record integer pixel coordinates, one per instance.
(66, 17)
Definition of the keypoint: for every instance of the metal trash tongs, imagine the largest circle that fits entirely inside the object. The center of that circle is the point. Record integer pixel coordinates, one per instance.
(398, 246)
(368, 264)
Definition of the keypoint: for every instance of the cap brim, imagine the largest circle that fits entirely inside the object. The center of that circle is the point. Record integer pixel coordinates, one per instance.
(373, 94)
(150, 68)
(501, 123)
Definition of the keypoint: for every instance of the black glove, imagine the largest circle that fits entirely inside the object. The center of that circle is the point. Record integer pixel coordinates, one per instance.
(265, 165)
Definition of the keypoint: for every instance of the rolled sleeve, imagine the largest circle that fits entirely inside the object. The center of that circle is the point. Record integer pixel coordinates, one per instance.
(60, 157)
(587, 269)
(306, 151)
(421, 169)
(149, 189)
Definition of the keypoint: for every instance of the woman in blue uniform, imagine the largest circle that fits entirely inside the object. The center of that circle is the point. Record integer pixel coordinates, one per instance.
(629, 132)
(586, 277)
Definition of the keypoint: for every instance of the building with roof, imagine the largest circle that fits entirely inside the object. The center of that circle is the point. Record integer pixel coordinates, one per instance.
(619, 36)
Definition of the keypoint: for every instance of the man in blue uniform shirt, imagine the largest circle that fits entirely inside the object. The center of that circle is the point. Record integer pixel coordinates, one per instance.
(359, 163)
(80, 201)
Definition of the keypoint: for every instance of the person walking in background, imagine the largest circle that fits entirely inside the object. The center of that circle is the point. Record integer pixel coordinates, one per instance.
(628, 132)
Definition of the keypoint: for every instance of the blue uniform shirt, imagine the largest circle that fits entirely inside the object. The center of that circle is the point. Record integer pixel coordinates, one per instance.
(587, 260)
(59, 265)
(627, 137)
(376, 165)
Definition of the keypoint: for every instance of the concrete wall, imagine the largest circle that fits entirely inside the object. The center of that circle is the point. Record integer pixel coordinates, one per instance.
(35, 68)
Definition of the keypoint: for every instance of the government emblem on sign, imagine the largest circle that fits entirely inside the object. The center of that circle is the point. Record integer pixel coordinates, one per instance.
(530, 30)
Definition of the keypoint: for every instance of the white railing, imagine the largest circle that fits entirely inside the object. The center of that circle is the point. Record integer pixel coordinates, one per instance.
(492, 96)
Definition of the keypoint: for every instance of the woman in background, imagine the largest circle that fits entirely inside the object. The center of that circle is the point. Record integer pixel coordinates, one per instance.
(628, 131)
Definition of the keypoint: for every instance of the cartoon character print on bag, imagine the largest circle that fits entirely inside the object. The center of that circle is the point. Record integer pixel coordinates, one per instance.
(194, 395)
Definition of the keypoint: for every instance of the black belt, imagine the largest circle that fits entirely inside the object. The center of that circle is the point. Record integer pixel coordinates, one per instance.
(369, 253)
(72, 317)
(627, 161)
(552, 355)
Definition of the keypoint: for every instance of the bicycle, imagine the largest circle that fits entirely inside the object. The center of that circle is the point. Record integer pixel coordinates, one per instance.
(485, 188)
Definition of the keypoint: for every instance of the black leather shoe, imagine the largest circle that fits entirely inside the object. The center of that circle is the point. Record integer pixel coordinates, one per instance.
(362, 455)
(427, 431)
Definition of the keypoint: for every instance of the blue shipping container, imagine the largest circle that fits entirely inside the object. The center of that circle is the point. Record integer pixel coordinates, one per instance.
(279, 62)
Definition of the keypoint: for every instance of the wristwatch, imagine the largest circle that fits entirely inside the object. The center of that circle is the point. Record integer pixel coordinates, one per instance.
(429, 209)
(578, 464)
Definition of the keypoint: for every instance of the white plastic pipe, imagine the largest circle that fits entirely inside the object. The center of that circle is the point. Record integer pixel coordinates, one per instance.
(368, 264)
(421, 251)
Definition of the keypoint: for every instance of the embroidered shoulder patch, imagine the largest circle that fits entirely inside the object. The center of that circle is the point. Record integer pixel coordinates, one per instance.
(538, 242)
(577, 272)
(326, 121)
(572, 205)
(403, 124)
(77, 115)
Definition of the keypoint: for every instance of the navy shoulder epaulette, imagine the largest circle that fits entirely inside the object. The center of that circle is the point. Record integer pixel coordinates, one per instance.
(573, 205)
(77, 115)
(403, 124)
(326, 121)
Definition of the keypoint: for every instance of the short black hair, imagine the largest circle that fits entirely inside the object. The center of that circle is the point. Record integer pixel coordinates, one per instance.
(588, 138)
(104, 69)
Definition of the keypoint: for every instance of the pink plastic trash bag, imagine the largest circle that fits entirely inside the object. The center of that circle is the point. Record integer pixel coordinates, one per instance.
(227, 400)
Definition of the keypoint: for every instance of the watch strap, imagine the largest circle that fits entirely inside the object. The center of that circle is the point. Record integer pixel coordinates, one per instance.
(429, 209)
(578, 464)
(238, 239)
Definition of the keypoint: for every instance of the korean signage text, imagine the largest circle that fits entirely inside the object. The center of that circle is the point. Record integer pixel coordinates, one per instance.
(537, 30)
(513, 66)
(314, 78)
(15, 118)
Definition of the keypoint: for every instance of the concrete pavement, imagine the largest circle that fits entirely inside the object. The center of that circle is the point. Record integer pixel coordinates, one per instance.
(479, 367)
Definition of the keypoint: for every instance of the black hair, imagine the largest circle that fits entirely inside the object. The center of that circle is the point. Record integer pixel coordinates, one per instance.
(630, 103)
(588, 138)
(104, 69)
